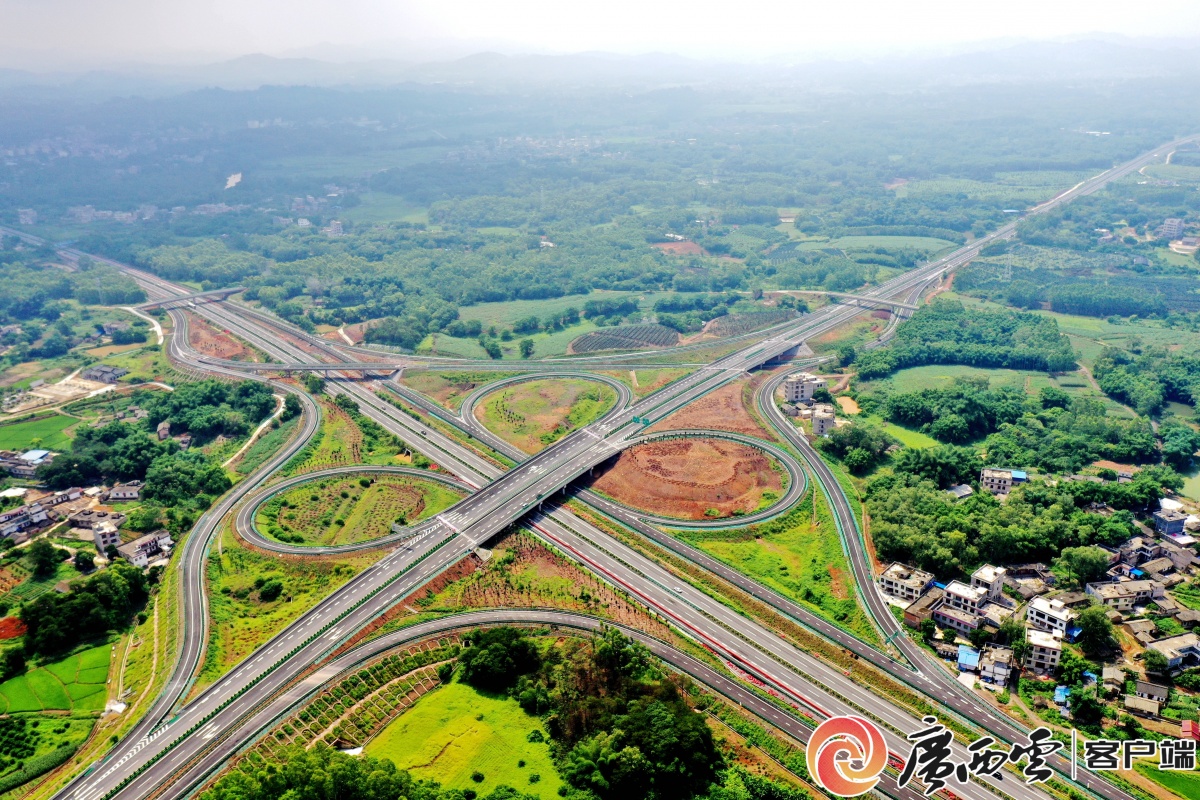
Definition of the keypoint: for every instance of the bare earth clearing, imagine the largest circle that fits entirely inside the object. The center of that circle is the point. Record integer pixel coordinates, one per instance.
(684, 478)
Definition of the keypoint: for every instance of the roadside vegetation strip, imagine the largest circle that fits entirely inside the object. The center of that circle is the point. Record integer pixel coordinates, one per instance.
(766, 396)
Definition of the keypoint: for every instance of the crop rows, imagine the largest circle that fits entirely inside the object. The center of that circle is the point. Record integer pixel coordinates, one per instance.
(735, 324)
(361, 705)
(626, 337)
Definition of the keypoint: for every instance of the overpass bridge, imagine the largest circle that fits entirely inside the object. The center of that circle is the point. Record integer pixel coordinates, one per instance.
(173, 302)
(324, 367)
(858, 299)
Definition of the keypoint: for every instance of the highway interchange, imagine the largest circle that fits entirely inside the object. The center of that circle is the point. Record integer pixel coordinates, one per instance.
(159, 756)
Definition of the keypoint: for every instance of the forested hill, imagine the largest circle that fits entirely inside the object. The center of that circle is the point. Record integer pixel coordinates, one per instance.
(945, 332)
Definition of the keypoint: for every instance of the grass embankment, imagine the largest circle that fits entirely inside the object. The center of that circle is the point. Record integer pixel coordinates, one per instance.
(48, 432)
(798, 555)
(451, 388)
(646, 381)
(456, 731)
(534, 415)
(358, 508)
(243, 612)
(267, 445)
(1184, 784)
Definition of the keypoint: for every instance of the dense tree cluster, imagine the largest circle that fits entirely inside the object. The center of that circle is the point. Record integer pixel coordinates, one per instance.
(121, 452)
(106, 601)
(31, 289)
(913, 520)
(860, 446)
(623, 727)
(1052, 432)
(209, 408)
(944, 332)
(1148, 380)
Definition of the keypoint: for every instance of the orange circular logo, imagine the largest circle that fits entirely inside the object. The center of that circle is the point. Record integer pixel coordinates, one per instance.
(846, 755)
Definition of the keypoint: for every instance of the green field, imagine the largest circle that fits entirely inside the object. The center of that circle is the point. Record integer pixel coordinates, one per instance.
(1175, 172)
(380, 207)
(455, 730)
(1184, 784)
(49, 433)
(505, 313)
(910, 438)
(77, 683)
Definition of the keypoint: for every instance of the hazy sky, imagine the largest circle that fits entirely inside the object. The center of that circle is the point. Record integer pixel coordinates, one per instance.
(40, 33)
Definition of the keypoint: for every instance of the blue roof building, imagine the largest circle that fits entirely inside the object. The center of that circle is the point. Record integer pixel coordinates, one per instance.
(968, 658)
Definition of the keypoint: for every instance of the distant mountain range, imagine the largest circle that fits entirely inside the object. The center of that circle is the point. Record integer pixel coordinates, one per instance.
(1093, 59)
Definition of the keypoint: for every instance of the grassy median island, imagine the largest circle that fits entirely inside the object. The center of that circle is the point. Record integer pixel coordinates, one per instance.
(457, 730)
(799, 555)
(538, 413)
(357, 508)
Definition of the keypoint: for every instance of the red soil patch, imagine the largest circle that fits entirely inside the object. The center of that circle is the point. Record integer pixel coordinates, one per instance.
(1115, 467)
(683, 478)
(895, 183)
(680, 248)
(882, 313)
(210, 341)
(11, 628)
(722, 410)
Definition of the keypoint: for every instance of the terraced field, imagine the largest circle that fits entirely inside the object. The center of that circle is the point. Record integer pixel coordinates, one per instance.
(77, 683)
(337, 511)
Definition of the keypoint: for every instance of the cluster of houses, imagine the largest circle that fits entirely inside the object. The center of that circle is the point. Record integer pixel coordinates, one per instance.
(77, 507)
(102, 373)
(798, 391)
(1139, 574)
(24, 465)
